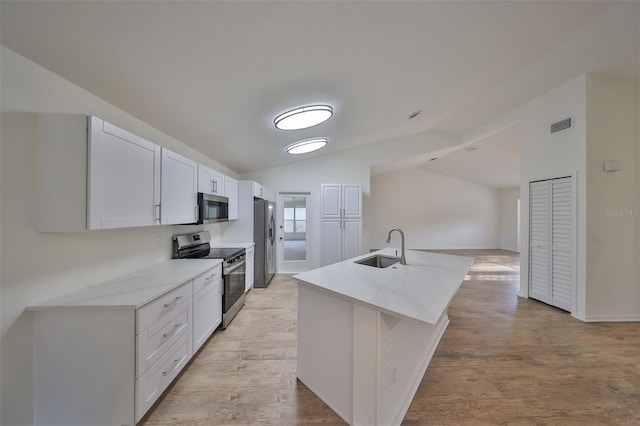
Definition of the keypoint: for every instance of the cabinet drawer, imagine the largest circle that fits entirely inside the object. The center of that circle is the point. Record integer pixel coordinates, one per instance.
(150, 386)
(209, 278)
(153, 342)
(163, 306)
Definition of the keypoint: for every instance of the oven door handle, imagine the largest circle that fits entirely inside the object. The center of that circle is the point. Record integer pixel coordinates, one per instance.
(233, 268)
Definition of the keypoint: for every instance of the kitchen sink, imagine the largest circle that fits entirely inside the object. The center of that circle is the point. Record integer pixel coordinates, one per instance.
(378, 261)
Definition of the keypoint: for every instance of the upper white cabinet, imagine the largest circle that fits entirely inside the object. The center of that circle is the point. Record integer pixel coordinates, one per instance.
(210, 181)
(179, 197)
(231, 192)
(259, 191)
(341, 201)
(94, 175)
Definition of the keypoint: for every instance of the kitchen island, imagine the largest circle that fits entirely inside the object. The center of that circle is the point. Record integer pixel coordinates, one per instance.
(366, 335)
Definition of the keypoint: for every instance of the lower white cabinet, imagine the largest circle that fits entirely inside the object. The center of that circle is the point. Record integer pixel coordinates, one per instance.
(107, 363)
(249, 277)
(150, 386)
(207, 306)
(341, 239)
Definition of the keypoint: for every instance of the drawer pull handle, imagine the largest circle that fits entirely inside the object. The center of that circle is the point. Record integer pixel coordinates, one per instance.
(175, 327)
(175, 362)
(210, 277)
(166, 305)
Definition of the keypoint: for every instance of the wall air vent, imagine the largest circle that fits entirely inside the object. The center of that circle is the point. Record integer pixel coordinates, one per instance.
(561, 125)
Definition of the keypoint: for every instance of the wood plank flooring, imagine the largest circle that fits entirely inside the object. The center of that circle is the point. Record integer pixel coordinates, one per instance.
(503, 360)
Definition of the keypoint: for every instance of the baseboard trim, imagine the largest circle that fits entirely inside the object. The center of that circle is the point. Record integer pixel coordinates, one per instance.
(611, 318)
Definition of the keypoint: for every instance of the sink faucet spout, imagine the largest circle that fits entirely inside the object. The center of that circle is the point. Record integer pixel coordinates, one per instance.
(403, 260)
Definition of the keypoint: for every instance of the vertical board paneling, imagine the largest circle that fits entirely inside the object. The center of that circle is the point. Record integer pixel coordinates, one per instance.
(399, 368)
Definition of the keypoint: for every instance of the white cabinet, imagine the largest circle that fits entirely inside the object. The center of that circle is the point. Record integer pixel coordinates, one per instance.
(341, 201)
(249, 259)
(179, 196)
(94, 175)
(210, 181)
(259, 191)
(118, 345)
(341, 222)
(231, 192)
(163, 344)
(207, 305)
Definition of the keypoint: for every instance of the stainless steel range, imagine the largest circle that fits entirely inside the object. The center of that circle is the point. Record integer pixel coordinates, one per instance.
(197, 246)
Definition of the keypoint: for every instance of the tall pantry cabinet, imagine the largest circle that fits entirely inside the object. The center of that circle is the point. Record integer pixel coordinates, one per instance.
(341, 222)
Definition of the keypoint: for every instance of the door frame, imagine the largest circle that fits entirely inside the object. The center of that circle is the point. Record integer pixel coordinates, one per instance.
(293, 266)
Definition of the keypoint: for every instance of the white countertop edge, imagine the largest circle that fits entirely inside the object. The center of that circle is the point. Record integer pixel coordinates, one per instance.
(133, 290)
(376, 307)
(232, 245)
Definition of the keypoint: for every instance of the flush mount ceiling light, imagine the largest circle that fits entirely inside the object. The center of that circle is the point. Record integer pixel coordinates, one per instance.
(301, 118)
(306, 146)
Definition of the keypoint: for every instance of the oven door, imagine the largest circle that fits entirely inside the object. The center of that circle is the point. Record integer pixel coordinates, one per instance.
(234, 279)
(212, 208)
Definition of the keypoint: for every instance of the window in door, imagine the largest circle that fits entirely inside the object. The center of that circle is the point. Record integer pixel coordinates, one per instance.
(295, 228)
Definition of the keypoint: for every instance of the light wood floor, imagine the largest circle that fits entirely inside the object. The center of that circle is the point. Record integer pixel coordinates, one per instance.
(503, 361)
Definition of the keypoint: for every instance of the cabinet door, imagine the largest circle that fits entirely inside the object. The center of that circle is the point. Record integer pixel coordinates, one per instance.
(207, 313)
(258, 190)
(124, 178)
(249, 277)
(351, 238)
(331, 201)
(210, 181)
(179, 195)
(351, 201)
(231, 192)
(331, 241)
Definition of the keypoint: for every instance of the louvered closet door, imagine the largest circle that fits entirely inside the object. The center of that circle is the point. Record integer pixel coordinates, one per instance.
(551, 241)
(539, 240)
(561, 243)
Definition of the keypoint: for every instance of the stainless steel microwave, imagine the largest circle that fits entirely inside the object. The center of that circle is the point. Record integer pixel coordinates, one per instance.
(212, 208)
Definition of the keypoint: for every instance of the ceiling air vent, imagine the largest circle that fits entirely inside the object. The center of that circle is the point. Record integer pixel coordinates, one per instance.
(561, 125)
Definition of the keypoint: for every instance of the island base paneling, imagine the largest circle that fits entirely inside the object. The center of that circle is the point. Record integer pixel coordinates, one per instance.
(364, 363)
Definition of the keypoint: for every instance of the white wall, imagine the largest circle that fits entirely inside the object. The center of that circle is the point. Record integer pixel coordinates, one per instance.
(612, 201)
(36, 266)
(434, 211)
(605, 250)
(509, 218)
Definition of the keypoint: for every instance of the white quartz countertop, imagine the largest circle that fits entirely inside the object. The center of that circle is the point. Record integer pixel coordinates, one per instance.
(422, 289)
(133, 290)
(245, 245)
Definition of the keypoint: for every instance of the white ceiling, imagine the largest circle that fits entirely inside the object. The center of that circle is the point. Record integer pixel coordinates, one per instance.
(214, 74)
(493, 161)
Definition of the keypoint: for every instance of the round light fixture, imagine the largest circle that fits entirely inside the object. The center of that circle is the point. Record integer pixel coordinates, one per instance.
(306, 146)
(301, 118)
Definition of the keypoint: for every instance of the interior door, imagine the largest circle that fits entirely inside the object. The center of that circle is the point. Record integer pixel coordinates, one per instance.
(294, 231)
(551, 239)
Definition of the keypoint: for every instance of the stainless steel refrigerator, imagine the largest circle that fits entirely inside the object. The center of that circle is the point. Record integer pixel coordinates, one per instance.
(264, 236)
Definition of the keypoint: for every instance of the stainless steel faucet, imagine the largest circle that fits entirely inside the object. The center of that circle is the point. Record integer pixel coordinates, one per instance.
(403, 260)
